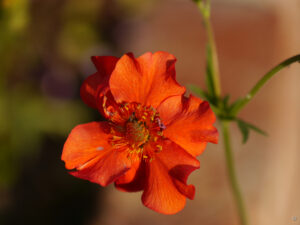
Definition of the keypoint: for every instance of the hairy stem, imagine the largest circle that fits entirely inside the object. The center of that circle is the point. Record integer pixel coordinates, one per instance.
(232, 174)
(204, 7)
(214, 59)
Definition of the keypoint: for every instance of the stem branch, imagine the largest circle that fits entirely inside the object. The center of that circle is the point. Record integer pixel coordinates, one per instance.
(264, 80)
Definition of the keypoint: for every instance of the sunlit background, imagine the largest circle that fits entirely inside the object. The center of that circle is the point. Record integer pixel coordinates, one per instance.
(45, 49)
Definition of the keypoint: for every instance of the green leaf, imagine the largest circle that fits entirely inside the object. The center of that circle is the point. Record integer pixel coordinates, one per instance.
(244, 130)
(215, 109)
(256, 129)
(226, 101)
(209, 73)
(246, 127)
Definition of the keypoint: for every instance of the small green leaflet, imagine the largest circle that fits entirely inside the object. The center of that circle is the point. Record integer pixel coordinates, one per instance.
(209, 71)
(246, 127)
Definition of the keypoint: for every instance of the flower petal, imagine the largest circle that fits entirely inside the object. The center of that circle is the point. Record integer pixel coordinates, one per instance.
(180, 164)
(87, 150)
(90, 88)
(170, 108)
(149, 79)
(166, 189)
(104, 169)
(85, 142)
(105, 64)
(97, 83)
(134, 179)
(191, 125)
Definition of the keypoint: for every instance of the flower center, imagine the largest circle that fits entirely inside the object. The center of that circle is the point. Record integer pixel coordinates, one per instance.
(135, 128)
(137, 132)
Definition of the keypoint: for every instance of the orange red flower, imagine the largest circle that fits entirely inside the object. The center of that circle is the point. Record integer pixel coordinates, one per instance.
(152, 133)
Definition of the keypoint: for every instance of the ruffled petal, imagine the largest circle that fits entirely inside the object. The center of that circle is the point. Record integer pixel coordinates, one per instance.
(166, 189)
(87, 150)
(149, 79)
(180, 164)
(95, 85)
(130, 174)
(170, 108)
(134, 179)
(105, 64)
(191, 125)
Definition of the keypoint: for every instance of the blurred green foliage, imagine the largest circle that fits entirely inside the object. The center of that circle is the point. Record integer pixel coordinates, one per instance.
(27, 112)
(80, 32)
(14, 20)
(45, 48)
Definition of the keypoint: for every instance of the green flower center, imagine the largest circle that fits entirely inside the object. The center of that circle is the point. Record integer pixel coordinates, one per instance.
(137, 132)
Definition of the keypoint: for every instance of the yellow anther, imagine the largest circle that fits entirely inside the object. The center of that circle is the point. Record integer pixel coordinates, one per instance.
(151, 159)
(159, 147)
(144, 117)
(117, 138)
(145, 156)
(155, 138)
(141, 150)
(104, 99)
(131, 151)
(159, 133)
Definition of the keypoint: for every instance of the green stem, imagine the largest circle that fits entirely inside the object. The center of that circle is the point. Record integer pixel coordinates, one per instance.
(214, 59)
(232, 175)
(264, 79)
(204, 8)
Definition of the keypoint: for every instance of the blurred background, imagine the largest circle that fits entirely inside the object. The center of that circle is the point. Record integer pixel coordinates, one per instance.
(45, 49)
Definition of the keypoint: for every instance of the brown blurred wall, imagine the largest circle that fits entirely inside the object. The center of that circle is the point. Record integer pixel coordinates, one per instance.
(252, 36)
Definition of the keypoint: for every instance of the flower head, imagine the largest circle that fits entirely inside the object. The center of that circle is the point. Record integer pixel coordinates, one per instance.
(151, 135)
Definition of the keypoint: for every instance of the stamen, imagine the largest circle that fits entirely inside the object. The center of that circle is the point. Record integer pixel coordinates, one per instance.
(159, 133)
(116, 138)
(137, 127)
(159, 148)
(126, 107)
